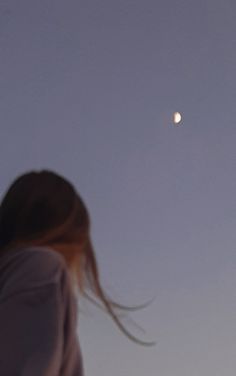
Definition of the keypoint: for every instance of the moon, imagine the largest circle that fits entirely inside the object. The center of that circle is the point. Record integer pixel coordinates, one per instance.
(177, 118)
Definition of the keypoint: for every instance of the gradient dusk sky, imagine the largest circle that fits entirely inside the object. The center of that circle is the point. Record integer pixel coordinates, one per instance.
(88, 88)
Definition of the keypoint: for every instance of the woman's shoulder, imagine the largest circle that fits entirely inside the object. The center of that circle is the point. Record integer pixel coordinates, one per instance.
(30, 268)
(40, 256)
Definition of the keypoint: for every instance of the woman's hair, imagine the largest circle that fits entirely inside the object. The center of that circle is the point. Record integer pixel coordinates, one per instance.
(44, 209)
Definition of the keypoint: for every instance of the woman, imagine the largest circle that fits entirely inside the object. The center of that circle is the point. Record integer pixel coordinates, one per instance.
(45, 254)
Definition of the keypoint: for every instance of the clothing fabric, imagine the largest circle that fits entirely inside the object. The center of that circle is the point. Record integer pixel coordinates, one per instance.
(38, 315)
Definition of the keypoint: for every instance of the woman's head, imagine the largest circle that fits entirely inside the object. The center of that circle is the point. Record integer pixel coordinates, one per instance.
(43, 208)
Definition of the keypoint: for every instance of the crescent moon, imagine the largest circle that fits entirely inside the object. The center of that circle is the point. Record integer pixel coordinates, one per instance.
(177, 118)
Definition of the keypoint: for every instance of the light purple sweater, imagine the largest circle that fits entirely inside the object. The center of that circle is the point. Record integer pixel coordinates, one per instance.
(38, 315)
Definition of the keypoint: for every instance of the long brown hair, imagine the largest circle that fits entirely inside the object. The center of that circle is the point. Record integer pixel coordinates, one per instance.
(43, 208)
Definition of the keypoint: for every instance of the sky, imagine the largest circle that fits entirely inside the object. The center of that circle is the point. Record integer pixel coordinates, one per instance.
(88, 89)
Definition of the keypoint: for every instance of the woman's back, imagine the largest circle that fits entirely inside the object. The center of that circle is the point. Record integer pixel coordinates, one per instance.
(38, 315)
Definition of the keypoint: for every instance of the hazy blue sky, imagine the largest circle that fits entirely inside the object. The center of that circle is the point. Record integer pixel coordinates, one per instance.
(88, 88)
